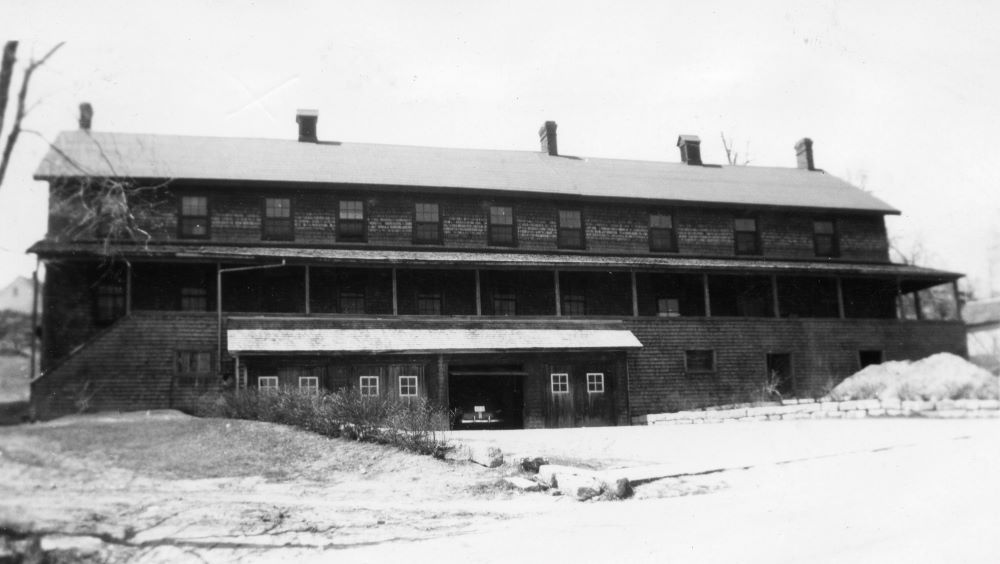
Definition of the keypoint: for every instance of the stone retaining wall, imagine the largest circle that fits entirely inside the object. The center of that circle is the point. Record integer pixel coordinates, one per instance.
(814, 409)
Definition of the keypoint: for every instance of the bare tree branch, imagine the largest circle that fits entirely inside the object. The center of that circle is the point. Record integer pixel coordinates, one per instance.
(732, 156)
(6, 73)
(22, 95)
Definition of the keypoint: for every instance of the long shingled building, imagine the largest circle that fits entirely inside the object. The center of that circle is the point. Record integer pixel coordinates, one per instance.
(520, 288)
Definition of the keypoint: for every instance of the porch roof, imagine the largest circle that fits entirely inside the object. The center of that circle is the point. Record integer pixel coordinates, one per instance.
(286, 336)
(374, 257)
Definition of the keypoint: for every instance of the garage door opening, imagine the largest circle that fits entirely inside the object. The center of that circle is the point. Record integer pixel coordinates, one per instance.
(487, 397)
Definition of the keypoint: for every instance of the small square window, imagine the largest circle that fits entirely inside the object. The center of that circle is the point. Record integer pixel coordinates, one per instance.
(746, 235)
(574, 304)
(309, 384)
(501, 229)
(560, 383)
(351, 220)
(267, 384)
(668, 307)
(277, 224)
(595, 382)
(194, 362)
(351, 302)
(194, 299)
(570, 234)
(662, 236)
(407, 386)
(699, 360)
(194, 220)
(504, 303)
(429, 304)
(426, 223)
(825, 239)
(368, 386)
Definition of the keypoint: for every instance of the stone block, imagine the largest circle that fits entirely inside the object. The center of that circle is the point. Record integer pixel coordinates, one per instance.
(579, 487)
(617, 489)
(892, 403)
(829, 405)
(859, 404)
(876, 412)
(486, 455)
(523, 484)
(945, 405)
(917, 405)
(856, 414)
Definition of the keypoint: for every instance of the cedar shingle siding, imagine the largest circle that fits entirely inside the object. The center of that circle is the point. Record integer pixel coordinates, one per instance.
(828, 308)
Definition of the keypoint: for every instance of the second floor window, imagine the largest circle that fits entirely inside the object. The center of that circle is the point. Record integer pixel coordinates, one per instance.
(574, 304)
(194, 299)
(277, 225)
(825, 238)
(351, 301)
(501, 226)
(351, 220)
(570, 229)
(109, 302)
(662, 236)
(429, 304)
(746, 235)
(504, 302)
(426, 223)
(194, 221)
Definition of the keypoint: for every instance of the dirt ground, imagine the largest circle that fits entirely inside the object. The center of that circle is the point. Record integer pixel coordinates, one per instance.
(165, 487)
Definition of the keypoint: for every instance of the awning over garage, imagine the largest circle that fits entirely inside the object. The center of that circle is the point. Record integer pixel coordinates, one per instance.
(394, 340)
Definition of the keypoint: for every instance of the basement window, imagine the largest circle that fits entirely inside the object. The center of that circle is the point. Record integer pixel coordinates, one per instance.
(501, 228)
(309, 384)
(368, 386)
(267, 384)
(560, 383)
(570, 234)
(699, 360)
(277, 224)
(194, 221)
(351, 221)
(407, 386)
(747, 236)
(662, 236)
(825, 240)
(595, 382)
(426, 224)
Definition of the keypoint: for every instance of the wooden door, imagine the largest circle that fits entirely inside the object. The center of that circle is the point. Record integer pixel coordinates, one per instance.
(594, 396)
(560, 393)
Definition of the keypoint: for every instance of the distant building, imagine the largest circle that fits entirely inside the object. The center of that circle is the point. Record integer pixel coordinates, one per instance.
(532, 287)
(982, 323)
(17, 296)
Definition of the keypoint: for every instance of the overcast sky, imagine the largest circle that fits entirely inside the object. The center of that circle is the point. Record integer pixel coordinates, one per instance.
(902, 97)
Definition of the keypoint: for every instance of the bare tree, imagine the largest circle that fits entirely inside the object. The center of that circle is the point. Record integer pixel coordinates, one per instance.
(733, 157)
(6, 72)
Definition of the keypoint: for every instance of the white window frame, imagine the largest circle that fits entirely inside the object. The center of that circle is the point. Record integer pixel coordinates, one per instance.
(267, 384)
(559, 383)
(595, 385)
(309, 384)
(365, 383)
(409, 380)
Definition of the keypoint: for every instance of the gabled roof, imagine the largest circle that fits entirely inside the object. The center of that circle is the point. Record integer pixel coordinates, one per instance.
(329, 164)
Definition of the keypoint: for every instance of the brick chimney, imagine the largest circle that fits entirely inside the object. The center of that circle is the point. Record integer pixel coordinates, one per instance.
(86, 115)
(547, 137)
(690, 149)
(804, 154)
(307, 125)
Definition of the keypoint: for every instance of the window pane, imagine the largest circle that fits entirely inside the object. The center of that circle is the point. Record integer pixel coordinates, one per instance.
(574, 305)
(427, 232)
(352, 302)
(351, 228)
(746, 224)
(823, 227)
(569, 219)
(661, 239)
(824, 245)
(700, 360)
(352, 209)
(194, 226)
(278, 228)
(501, 234)
(194, 299)
(560, 383)
(746, 243)
(572, 238)
(427, 213)
(277, 207)
(504, 304)
(501, 215)
(595, 382)
(429, 304)
(664, 221)
(407, 386)
(194, 205)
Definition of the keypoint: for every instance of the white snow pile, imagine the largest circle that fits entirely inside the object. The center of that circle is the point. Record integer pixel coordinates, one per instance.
(940, 376)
